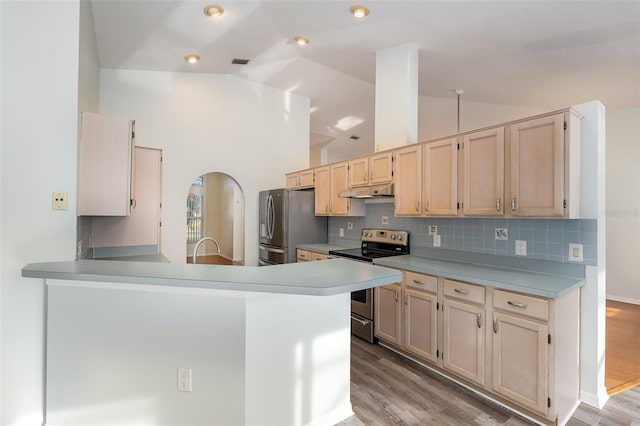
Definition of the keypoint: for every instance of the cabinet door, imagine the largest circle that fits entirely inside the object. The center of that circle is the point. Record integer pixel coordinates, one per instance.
(464, 341)
(322, 191)
(483, 173)
(388, 323)
(303, 255)
(293, 180)
(105, 166)
(440, 183)
(381, 168)
(338, 180)
(420, 315)
(142, 226)
(521, 361)
(407, 181)
(537, 167)
(359, 172)
(306, 179)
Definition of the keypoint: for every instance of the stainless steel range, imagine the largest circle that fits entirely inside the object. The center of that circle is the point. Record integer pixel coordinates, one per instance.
(375, 243)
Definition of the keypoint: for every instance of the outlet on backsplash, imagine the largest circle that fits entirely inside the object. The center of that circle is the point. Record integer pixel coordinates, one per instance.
(385, 220)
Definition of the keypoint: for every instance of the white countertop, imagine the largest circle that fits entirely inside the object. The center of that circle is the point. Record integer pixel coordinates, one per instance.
(320, 278)
(534, 283)
(324, 248)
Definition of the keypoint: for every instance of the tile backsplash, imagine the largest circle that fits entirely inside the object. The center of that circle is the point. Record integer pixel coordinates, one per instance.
(547, 239)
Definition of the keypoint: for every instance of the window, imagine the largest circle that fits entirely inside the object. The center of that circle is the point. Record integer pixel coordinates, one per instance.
(194, 211)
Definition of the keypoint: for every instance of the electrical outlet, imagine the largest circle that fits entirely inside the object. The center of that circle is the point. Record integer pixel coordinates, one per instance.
(79, 252)
(433, 230)
(59, 200)
(342, 232)
(436, 240)
(349, 226)
(575, 252)
(521, 248)
(502, 234)
(385, 220)
(184, 379)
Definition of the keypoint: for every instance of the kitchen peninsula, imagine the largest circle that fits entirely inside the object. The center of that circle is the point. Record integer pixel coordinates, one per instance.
(160, 343)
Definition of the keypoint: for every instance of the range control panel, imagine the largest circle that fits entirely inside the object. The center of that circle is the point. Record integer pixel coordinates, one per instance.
(387, 236)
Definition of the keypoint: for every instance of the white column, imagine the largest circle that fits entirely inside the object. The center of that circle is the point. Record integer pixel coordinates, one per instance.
(396, 114)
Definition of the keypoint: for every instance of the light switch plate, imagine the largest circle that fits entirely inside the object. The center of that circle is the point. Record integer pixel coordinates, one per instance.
(502, 234)
(575, 252)
(59, 200)
(521, 247)
(184, 379)
(350, 225)
(385, 220)
(433, 229)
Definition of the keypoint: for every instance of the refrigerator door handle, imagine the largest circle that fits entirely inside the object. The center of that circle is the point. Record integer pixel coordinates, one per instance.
(272, 213)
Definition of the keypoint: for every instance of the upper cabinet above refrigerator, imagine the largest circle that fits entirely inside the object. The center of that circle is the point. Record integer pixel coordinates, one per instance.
(105, 165)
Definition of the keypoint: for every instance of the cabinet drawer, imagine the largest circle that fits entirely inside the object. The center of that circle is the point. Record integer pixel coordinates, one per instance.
(303, 255)
(319, 256)
(464, 291)
(520, 304)
(421, 281)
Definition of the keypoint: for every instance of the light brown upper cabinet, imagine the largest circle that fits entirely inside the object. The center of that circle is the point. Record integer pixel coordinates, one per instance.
(440, 178)
(372, 170)
(544, 166)
(482, 173)
(329, 182)
(300, 180)
(407, 181)
(105, 165)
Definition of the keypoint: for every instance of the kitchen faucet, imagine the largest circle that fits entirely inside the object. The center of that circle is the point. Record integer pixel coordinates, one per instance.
(200, 241)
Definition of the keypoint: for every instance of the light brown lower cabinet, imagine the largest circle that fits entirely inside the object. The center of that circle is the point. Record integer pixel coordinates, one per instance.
(518, 348)
(308, 255)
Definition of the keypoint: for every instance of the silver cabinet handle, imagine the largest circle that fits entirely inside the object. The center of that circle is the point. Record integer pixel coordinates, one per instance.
(396, 295)
(361, 321)
(495, 325)
(418, 206)
(426, 206)
(516, 304)
(457, 290)
(419, 282)
(364, 176)
(498, 205)
(513, 204)
(479, 320)
(406, 299)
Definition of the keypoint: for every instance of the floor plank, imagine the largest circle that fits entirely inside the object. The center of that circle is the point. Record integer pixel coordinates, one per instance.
(388, 389)
(622, 347)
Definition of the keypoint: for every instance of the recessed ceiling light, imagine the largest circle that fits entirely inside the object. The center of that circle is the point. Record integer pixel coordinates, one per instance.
(213, 10)
(192, 59)
(359, 11)
(301, 40)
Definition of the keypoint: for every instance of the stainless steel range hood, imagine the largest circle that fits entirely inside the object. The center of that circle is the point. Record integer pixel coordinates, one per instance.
(375, 191)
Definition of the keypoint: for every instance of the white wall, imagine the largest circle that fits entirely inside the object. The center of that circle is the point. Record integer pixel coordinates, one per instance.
(623, 204)
(211, 123)
(40, 49)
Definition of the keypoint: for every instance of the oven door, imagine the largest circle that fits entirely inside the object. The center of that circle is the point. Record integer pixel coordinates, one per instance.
(362, 303)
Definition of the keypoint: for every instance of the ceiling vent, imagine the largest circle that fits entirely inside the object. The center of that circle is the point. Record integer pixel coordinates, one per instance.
(354, 137)
(237, 61)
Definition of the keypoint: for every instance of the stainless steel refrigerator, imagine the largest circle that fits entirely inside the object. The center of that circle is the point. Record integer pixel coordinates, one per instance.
(287, 218)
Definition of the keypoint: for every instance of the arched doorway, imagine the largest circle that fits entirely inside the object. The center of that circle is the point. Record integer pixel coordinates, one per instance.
(215, 220)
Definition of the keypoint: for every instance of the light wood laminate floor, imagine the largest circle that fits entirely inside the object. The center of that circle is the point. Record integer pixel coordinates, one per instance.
(388, 389)
(622, 347)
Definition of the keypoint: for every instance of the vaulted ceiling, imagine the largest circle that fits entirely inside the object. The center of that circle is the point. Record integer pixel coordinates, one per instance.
(543, 54)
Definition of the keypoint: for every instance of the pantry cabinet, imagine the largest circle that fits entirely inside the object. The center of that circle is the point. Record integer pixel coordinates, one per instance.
(463, 349)
(372, 170)
(105, 165)
(482, 173)
(440, 178)
(407, 181)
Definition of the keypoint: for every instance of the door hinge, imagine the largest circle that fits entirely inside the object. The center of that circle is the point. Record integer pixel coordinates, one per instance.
(160, 224)
(548, 338)
(438, 353)
(564, 204)
(437, 306)
(458, 147)
(391, 173)
(458, 206)
(160, 205)
(565, 125)
(548, 402)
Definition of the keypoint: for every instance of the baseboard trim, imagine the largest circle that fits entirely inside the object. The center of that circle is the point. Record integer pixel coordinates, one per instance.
(624, 299)
(594, 400)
